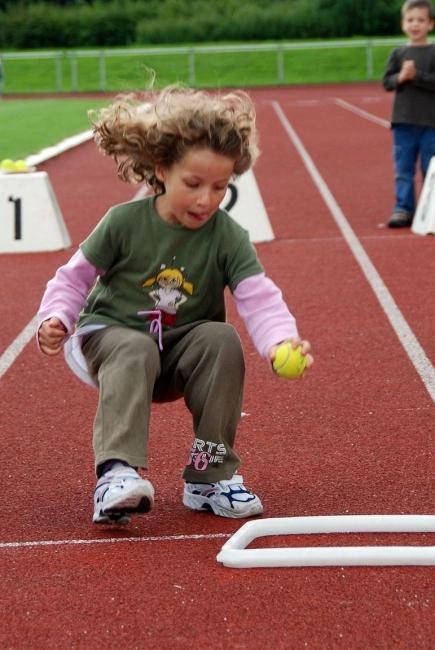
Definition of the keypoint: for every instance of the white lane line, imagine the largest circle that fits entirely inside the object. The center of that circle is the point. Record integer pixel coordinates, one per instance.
(60, 147)
(400, 326)
(365, 114)
(17, 346)
(110, 540)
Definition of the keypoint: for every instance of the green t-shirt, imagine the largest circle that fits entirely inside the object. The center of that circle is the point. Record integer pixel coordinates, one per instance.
(150, 264)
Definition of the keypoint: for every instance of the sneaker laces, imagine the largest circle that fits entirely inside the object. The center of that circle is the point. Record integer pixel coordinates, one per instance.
(117, 476)
(237, 491)
(233, 489)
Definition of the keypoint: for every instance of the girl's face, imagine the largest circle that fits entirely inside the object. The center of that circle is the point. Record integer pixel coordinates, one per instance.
(194, 187)
(417, 24)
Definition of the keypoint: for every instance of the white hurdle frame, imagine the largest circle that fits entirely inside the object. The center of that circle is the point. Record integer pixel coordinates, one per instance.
(424, 218)
(235, 554)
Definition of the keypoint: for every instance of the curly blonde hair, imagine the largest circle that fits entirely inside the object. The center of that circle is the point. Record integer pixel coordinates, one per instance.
(139, 136)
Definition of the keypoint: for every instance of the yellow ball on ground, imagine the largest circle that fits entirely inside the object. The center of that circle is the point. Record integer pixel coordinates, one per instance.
(7, 164)
(20, 166)
(289, 362)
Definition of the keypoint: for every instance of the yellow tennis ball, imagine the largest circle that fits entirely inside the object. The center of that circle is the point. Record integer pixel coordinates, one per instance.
(7, 164)
(289, 362)
(20, 166)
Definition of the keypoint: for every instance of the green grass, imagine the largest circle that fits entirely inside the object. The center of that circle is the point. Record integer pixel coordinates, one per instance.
(124, 73)
(27, 126)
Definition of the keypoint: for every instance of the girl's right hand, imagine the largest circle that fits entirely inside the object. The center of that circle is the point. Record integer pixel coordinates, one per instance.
(51, 335)
(295, 343)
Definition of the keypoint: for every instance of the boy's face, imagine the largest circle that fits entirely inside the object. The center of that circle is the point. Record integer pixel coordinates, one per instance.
(417, 24)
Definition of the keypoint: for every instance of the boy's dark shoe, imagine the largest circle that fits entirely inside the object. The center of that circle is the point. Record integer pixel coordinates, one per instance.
(400, 220)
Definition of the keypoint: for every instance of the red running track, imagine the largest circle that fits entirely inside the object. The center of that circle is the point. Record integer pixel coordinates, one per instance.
(356, 436)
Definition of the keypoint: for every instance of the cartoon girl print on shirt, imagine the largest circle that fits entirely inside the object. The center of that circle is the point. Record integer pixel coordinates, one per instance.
(168, 297)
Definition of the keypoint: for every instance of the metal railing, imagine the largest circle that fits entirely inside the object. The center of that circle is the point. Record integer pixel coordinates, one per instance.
(191, 53)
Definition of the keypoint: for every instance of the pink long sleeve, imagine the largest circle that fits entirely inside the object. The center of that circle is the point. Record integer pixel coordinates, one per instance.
(264, 312)
(66, 293)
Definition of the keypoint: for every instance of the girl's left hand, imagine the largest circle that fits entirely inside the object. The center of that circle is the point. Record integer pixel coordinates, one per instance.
(295, 343)
(51, 336)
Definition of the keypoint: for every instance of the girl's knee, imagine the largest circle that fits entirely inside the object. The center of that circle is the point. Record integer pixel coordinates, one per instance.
(222, 338)
(140, 349)
(131, 347)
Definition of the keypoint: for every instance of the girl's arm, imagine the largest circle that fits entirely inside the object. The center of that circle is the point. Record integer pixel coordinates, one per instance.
(264, 312)
(63, 300)
(267, 318)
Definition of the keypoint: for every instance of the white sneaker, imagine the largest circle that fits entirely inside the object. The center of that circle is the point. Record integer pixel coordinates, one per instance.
(226, 498)
(120, 493)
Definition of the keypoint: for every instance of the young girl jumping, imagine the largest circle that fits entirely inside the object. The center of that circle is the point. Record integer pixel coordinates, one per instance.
(140, 306)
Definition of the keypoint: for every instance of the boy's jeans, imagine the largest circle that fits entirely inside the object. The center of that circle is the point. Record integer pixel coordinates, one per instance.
(409, 143)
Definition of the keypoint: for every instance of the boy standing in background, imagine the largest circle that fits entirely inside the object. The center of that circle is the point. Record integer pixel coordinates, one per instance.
(410, 72)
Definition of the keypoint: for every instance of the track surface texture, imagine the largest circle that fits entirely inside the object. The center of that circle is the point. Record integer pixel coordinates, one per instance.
(355, 436)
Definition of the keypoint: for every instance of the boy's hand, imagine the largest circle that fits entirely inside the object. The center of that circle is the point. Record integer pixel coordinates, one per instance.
(51, 335)
(295, 343)
(407, 71)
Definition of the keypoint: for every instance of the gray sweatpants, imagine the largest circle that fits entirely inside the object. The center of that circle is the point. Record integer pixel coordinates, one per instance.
(203, 362)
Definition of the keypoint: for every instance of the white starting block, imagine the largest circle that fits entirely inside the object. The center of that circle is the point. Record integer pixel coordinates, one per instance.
(235, 554)
(30, 217)
(245, 204)
(424, 218)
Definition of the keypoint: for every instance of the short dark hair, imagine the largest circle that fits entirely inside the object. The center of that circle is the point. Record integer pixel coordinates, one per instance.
(423, 4)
